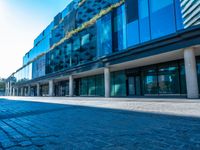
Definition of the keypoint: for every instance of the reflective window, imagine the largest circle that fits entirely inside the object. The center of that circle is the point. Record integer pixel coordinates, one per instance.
(150, 81)
(76, 44)
(91, 86)
(183, 78)
(133, 24)
(162, 18)
(62, 88)
(168, 79)
(119, 36)
(118, 84)
(104, 35)
(39, 67)
(179, 18)
(85, 39)
(144, 20)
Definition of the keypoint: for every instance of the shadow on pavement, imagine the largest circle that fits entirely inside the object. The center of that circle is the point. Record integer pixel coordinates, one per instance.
(61, 126)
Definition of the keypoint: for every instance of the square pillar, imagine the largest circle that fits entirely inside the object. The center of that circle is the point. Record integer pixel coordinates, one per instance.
(107, 82)
(17, 94)
(14, 91)
(29, 90)
(51, 88)
(71, 86)
(10, 90)
(38, 89)
(22, 91)
(191, 73)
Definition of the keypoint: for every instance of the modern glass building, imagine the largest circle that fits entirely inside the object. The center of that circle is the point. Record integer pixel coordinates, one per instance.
(115, 48)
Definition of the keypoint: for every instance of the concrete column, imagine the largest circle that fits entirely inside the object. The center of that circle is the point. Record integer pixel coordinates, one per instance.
(71, 86)
(17, 94)
(107, 82)
(191, 73)
(22, 91)
(29, 90)
(13, 92)
(51, 88)
(10, 90)
(38, 89)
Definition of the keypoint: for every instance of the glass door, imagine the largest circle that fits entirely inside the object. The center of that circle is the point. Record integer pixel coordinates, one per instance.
(131, 86)
(134, 85)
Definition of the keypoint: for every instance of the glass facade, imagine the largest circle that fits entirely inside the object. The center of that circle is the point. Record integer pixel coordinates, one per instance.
(61, 88)
(168, 79)
(44, 90)
(24, 74)
(132, 23)
(150, 81)
(118, 83)
(144, 20)
(90, 86)
(160, 79)
(39, 67)
(162, 18)
(152, 19)
(119, 33)
(104, 35)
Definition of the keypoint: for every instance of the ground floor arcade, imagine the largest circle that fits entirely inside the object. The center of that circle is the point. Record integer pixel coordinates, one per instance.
(175, 73)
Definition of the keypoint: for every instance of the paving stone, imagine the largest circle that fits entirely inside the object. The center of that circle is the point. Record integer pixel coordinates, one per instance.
(25, 125)
(25, 143)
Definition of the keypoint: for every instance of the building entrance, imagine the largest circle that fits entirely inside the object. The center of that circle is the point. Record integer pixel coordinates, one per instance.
(134, 85)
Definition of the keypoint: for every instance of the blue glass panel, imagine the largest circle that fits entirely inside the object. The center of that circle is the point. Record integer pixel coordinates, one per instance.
(179, 19)
(120, 29)
(144, 20)
(104, 34)
(76, 44)
(85, 39)
(132, 33)
(162, 18)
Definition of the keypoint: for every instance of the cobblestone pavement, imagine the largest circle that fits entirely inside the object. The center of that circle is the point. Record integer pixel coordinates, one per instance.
(34, 125)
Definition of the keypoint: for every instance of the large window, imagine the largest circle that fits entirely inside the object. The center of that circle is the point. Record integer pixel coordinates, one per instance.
(104, 35)
(168, 79)
(39, 67)
(162, 18)
(183, 78)
(91, 86)
(118, 84)
(150, 81)
(132, 23)
(62, 88)
(119, 36)
(144, 20)
(179, 18)
(76, 44)
(85, 39)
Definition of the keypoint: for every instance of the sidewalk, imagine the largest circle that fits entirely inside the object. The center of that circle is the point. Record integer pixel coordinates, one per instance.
(178, 107)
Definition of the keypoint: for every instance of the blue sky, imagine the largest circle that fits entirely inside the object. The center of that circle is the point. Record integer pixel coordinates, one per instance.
(20, 23)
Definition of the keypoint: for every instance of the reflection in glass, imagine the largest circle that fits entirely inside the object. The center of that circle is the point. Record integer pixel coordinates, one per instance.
(162, 18)
(168, 79)
(150, 81)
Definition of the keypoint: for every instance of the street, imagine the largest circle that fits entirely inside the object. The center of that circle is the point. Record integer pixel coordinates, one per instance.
(29, 124)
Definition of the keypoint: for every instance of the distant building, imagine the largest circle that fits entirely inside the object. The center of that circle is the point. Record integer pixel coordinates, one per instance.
(115, 48)
(190, 11)
(2, 87)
